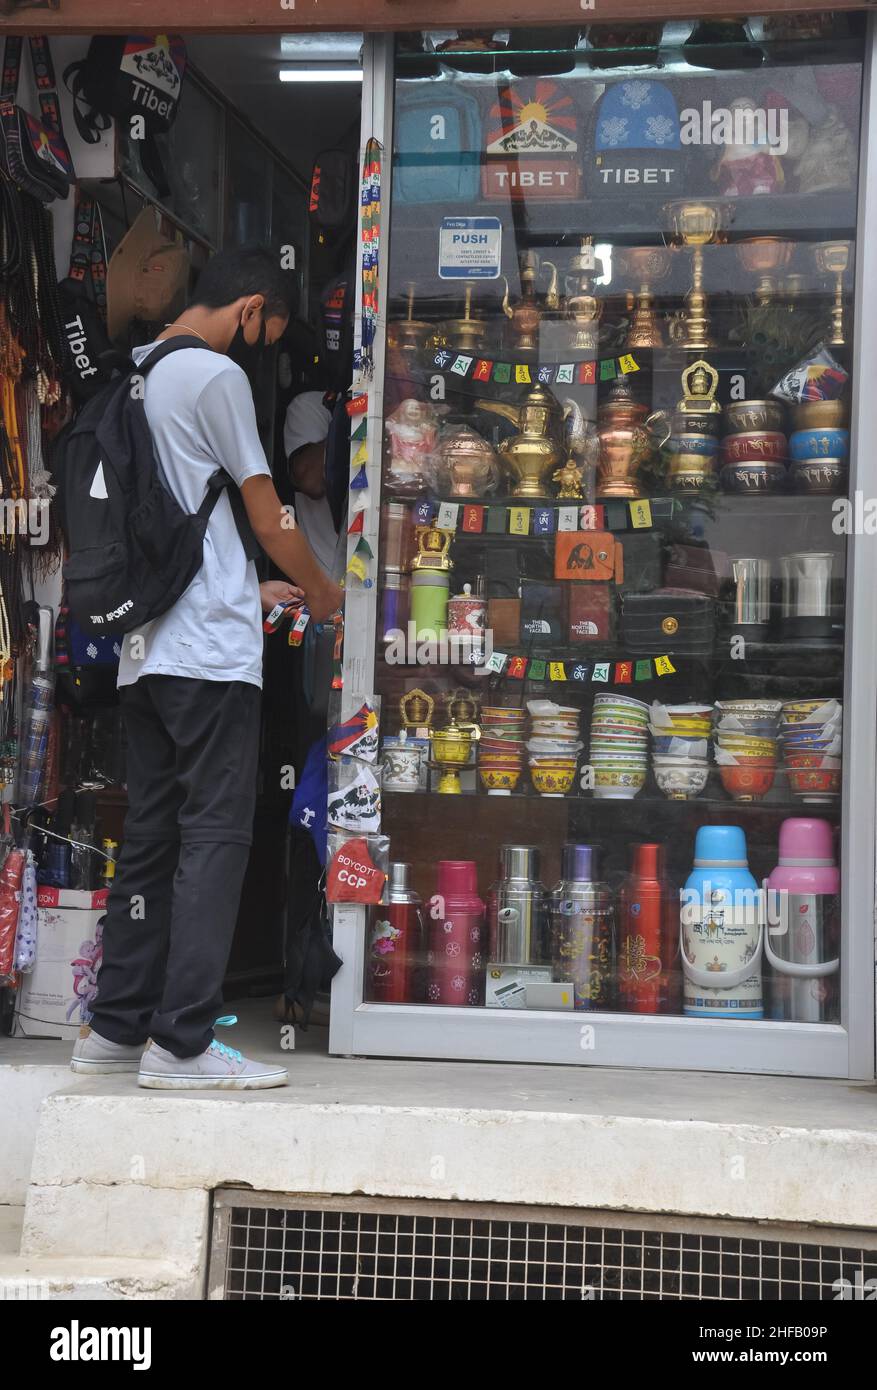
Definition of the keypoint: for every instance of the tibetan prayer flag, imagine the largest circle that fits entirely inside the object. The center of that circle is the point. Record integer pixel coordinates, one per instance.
(522, 373)
(448, 514)
(538, 669)
(556, 671)
(502, 371)
(424, 512)
(587, 373)
(543, 521)
(567, 518)
(496, 521)
(442, 359)
(664, 666)
(601, 671)
(643, 671)
(545, 374)
(482, 370)
(496, 662)
(473, 519)
(608, 371)
(623, 672)
(357, 406)
(627, 365)
(518, 668)
(356, 525)
(519, 521)
(616, 516)
(592, 517)
(581, 671)
(361, 456)
(462, 364)
(360, 432)
(359, 479)
(640, 514)
(565, 374)
(357, 565)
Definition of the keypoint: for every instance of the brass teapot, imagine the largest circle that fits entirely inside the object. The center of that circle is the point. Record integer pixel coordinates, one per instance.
(526, 315)
(536, 449)
(626, 441)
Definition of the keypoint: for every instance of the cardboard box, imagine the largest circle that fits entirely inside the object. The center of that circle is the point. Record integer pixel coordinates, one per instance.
(54, 997)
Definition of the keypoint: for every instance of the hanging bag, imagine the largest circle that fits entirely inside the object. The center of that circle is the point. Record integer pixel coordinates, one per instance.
(83, 297)
(34, 152)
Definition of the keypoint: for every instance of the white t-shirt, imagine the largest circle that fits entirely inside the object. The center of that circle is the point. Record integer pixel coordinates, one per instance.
(307, 422)
(200, 410)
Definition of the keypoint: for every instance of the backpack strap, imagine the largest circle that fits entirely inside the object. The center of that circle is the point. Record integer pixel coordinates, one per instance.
(11, 68)
(44, 76)
(90, 123)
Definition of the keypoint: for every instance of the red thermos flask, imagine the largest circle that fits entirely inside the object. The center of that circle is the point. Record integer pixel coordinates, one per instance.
(396, 943)
(457, 936)
(648, 937)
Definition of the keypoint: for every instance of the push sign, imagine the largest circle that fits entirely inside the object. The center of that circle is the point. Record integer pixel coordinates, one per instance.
(470, 248)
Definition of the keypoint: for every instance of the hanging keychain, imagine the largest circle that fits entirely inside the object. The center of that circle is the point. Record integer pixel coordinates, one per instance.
(370, 250)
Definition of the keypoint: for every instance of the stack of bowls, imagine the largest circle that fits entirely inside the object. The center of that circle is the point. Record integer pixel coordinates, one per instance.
(811, 733)
(680, 748)
(746, 746)
(819, 447)
(501, 748)
(553, 746)
(754, 451)
(619, 746)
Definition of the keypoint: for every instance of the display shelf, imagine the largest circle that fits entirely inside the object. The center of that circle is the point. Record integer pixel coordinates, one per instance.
(783, 808)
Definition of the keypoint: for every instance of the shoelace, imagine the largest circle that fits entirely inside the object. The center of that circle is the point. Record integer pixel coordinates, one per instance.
(227, 1021)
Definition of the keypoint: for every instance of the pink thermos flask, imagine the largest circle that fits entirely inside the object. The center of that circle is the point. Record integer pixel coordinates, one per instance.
(455, 959)
(802, 936)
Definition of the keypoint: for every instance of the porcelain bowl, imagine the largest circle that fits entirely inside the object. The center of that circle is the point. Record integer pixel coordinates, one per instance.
(748, 782)
(618, 784)
(746, 417)
(496, 779)
(814, 784)
(814, 444)
(552, 781)
(680, 783)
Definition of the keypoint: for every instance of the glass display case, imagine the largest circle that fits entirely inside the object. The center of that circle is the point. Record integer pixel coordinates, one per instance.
(619, 624)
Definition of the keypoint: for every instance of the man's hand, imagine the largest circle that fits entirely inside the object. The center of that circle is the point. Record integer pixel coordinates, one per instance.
(275, 591)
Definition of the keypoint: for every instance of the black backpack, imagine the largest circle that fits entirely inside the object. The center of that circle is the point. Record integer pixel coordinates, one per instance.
(132, 549)
(333, 203)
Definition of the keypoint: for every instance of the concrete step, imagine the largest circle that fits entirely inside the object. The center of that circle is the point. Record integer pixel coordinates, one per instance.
(93, 1279)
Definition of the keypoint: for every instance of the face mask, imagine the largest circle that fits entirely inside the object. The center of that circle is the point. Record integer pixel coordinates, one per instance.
(247, 355)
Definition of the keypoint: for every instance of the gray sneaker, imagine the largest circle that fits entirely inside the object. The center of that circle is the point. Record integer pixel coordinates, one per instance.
(98, 1056)
(219, 1068)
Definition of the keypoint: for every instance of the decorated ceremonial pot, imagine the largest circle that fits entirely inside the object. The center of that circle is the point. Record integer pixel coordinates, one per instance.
(531, 454)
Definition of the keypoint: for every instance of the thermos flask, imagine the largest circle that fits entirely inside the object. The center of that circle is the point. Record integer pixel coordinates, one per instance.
(721, 929)
(648, 971)
(455, 960)
(517, 908)
(802, 939)
(395, 954)
(580, 920)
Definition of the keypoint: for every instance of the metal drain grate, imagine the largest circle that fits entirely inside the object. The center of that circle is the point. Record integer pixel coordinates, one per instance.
(267, 1249)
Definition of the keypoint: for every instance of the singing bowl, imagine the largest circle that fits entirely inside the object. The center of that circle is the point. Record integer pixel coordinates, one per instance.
(820, 415)
(742, 417)
(753, 477)
(819, 476)
(754, 446)
(693, 444)
(816, 444)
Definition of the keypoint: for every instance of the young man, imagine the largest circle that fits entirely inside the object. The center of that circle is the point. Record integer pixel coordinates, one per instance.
(190, 689)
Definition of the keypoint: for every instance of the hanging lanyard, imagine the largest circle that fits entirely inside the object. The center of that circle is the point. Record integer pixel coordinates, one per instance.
(88, 253)
(44, 76)
(370, 236)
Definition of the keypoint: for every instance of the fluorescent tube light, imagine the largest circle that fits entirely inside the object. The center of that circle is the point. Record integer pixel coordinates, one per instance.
(321, 74)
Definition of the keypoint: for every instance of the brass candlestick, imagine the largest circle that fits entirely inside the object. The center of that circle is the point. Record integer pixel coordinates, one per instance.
(646, 264)
(695, 225)
(833, 258)
(410, 333)
(764, 256)
(466, 334)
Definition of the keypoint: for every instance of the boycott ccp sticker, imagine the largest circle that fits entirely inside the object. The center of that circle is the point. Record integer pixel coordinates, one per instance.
(353, 876)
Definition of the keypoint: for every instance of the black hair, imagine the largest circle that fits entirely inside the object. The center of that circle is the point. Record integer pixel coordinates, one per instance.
(244, 271)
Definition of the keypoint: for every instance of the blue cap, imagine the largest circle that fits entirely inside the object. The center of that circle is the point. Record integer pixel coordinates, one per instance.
(720, 845)
(580, 863)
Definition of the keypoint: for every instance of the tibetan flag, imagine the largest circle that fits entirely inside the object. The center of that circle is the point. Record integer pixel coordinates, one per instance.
(518, 668)
(627, 365)
(502, 371)
(543, 521)
(522, 374)
(482, 370)
(565, 374)
(519, 521)
(640, 514)
(643, 671)
(448, 514)
(473, 519)
(538, 669)
(601, 671)
(588, 373)
(556, 671)
(623, 672)
(664, 666)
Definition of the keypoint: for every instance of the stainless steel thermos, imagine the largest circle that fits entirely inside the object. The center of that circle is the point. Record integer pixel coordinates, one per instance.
(580, 923)
(516, 908)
